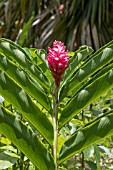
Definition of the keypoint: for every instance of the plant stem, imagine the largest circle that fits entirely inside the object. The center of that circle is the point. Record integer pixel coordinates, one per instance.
(55, 124)
(82, 160)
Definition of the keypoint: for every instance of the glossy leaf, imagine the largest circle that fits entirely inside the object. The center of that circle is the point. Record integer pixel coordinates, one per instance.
(86, 136)
(93, 78)
(97, 154)
(89, 68)
(74, 62)
(23, 79)
(25, 140)
(17, 54)
(22, 101)
(100, 50)
(105, 150)
(1, 99)
(9, 148)
(42, 55)
(86, 96)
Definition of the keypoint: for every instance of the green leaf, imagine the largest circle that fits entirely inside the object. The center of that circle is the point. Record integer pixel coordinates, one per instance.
(88, 68)
(24, 32)
(20, 100)
(42, 55)
(97, 154)
(16, 53)
(8, 148)
(25, 140)
(94, 132)
(95, 112)
(24, 81)
(91, 165)
(88, 152)
(74, 62)
(70, 53)
(5, 141)
(100, 50)
(96, 76)
(105, 150)
(7, 160)
(86, 96)
(1, 99)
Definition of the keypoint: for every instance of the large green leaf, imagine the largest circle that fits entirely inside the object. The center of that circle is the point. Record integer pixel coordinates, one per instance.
(86, 96)
(94, 132)
(22, 101)
(97, 62)
(23, 79)
(16, 53)
(88, 68)
(75, 60)
(93, 78)
(100, 50)
(25, 140)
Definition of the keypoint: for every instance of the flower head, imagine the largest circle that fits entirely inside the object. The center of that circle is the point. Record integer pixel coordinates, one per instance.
(57, 60)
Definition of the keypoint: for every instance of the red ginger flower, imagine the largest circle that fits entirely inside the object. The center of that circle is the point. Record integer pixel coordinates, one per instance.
(57, 60)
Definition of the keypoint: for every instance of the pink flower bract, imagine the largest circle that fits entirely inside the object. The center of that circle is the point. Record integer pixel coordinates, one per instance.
(57, 60)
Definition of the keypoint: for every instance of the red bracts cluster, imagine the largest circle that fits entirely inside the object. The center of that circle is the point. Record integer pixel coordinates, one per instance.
(57, 60)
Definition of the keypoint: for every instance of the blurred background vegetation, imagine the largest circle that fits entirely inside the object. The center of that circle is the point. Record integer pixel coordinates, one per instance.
(37, 23)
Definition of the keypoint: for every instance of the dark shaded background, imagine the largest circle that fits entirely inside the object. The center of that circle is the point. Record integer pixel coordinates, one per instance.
(75, 22)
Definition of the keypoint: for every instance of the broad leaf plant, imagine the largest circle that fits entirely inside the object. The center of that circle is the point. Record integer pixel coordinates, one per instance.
(48, 91)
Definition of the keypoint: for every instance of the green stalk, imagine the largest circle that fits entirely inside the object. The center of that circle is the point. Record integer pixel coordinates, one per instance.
(55, 124)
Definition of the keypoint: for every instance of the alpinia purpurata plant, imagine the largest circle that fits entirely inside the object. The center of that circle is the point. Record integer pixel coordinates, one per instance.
(58, 62)
(50, 103)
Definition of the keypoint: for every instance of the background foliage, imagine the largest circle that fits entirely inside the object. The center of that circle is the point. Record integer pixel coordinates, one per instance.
(27, 111)
(82, 22)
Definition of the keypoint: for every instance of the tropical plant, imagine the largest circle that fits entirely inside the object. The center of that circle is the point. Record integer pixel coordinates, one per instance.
(28, 116)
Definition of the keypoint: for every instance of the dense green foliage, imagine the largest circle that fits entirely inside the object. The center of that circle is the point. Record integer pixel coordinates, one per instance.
(26, 114)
